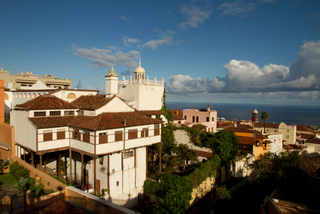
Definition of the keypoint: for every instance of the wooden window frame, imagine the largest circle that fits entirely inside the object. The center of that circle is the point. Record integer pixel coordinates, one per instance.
(145, 132)
(61, 134)
(69, 113)
(39, 114)
(86, 137)
(132, 134)
(156, 129)
(55, 113)
(103, 137)
(128, 154)
(118, 136)
(47, 135)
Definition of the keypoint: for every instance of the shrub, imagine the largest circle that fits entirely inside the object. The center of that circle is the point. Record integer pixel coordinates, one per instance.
(18, 171)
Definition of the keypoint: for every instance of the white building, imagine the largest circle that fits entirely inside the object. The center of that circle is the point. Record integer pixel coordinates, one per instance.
(106, 139)
(139, 92)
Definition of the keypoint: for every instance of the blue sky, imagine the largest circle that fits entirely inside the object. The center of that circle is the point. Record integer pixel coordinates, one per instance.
(265, 51)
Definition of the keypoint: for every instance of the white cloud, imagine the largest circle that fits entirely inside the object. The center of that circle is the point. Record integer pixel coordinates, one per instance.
(153, 44)
(239, 7)
(124, 18)
(127, 41)
(195, 16)
(106, 57)
(247, 77)
(184, 84)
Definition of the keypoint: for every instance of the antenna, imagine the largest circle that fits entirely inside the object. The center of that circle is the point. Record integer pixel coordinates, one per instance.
(67, 72)
(96, 76)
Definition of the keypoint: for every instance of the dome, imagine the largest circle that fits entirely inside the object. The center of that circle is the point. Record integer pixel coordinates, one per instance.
(255, 111)
(139, 69)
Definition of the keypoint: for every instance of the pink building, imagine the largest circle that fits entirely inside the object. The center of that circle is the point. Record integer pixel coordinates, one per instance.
(205, 117)
(2, 101)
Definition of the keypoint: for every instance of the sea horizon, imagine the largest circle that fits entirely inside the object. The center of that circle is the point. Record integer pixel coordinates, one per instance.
(289, 114)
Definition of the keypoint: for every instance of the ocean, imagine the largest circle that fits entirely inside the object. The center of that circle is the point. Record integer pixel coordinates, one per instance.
(289, 114)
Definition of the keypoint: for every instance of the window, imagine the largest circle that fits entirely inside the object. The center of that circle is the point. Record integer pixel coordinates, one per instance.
(103, 137)
(118, 136)
(39, 114)
(156, 129)
(287, 136)
(127, 154)
(145, 132)
(193, 119)
(197, 119)
(287, 130)
(207, 119)
(76, 135)
(80, 113)
(86, 137)
(212, 119)
(55, 113)
(101, 160)
(117, 183)
(68, 113)
(185, 117)
(61, 134)
(132, 134)
(47, 135)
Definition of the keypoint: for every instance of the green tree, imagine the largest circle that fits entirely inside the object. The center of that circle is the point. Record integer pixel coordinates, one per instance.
(184, 154)
(264, 116)
(167, 138)
(225, 145)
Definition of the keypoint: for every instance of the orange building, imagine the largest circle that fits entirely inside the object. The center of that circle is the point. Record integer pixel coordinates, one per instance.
(2, 101)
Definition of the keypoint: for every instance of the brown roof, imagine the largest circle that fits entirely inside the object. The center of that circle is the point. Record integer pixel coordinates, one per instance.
(103, 121)
(292, 146)
(91, 102)
(246, 130)
(268, 125)
(204, 154)
(247, 140)
(154, 112)
(44, 102)
(304, 129)
(306, 136)
(314, 140)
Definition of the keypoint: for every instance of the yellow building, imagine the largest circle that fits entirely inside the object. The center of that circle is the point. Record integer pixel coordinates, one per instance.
(28, 79)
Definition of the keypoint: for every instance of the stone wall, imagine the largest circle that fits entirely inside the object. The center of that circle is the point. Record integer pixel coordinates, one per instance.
(204, 188)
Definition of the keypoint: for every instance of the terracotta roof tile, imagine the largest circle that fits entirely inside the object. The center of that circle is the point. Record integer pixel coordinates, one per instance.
(204, 154)
(314, 140)
(91, 102)
(292, 146)
(304, 129)
(103, 121)
(247, 140)
(44, 102)
(176, 114)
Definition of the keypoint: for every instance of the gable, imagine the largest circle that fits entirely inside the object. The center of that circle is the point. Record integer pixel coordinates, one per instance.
(115, 105)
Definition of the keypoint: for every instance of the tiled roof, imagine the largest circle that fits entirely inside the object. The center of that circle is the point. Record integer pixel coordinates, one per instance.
(103, 121)
(247, 140)
(292, 146)
(90, 102)
(44, 102)
(314, 140)
(246, 130)
(204, 154)
(306, 136)
(268, 125)
(51, 122)
(244, 126)
(302, 128)
(154, 112)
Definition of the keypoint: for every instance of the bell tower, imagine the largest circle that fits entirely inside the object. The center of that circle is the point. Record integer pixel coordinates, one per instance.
(111, 83)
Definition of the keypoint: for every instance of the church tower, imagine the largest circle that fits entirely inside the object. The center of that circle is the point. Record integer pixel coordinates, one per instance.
(111, 83)
(255, 116)
(139, 73)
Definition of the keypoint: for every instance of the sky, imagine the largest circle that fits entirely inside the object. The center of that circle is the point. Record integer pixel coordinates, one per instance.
(238, 51)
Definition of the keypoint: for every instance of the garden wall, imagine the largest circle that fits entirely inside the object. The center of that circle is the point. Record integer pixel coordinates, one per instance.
(48, 181)
(201, 190)
(7, 137)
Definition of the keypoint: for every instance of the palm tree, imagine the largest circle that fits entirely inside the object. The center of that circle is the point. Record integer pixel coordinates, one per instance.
(264, 116)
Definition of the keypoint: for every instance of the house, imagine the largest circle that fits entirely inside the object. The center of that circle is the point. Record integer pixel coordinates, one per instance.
(204, 117)
(288, 131)
(13, 97)
(177, 116)
(105, 138)
(256, 143)
(28, 79)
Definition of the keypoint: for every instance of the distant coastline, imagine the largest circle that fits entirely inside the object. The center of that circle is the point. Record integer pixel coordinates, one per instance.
(289, 114)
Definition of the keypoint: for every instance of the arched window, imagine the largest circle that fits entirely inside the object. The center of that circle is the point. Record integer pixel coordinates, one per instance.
(6, 96)
(71, 96)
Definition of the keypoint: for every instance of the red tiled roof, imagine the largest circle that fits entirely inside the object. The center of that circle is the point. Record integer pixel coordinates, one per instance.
(268, 125)
(51, 122)
(44, 102)
(204, 154)
(313, 140)
(103, 121)
(91, 102)
(292, 146)
(304, 129)
(154, 112)
(247, 140)
(306, 136)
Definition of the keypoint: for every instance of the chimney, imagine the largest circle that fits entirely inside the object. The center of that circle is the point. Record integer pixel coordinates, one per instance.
(208, 108)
